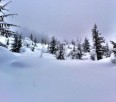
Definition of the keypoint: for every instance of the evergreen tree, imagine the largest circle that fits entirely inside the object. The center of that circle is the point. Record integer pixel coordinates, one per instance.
(97, 40)
(114, 47)
(53, 46)
(17, 44)
(5, 27)
(7, 42)
(61, 51)
(114, 51)
(73, 53)
(73, 42)
(35, 41)
(107, 52)
(31, 37)
(86, 46)
(42, 41)
(34, 44)
(33, 47)
(79, 52)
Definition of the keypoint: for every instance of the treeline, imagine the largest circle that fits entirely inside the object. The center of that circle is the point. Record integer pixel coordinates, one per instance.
(97, 51)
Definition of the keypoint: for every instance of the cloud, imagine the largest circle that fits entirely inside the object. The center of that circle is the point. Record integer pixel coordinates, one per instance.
(66, 19)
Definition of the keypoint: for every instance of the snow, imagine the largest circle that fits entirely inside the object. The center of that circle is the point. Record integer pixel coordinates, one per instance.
(36, 76)
(35, 79)
(6, 55)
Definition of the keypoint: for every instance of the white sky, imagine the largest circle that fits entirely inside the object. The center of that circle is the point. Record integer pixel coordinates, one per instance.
(67, 19)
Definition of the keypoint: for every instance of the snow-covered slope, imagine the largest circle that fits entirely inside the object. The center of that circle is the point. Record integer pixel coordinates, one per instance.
(40, 50)
(32, 79)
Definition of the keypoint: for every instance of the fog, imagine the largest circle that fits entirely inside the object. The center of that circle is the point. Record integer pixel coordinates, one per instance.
(66, 19)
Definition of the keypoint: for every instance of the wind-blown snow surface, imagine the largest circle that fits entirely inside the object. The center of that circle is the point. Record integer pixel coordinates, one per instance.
(34, 79)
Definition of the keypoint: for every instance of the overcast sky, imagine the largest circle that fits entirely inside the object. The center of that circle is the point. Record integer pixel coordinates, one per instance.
(67, 19)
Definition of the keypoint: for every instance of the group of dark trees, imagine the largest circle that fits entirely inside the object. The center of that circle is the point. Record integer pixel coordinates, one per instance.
(57, 48)
(41, 39)
(100, 50)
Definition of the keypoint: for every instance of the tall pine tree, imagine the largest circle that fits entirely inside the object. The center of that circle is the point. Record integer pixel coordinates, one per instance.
(97, 40)
(5, 27)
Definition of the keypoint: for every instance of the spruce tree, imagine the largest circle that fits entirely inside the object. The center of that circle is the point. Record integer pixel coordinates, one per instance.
(35, 41)
(31, 37)
(53, 46)
(7, 42)
(17, 44)
(5, 27)
(61, 51)
(79, 52)
(73, 42)
(73, 53)
(97, 40)
(114, 47)
(86, 45)
(107, 51)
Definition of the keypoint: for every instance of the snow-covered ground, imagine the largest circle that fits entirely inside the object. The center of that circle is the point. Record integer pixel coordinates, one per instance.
(35, 79)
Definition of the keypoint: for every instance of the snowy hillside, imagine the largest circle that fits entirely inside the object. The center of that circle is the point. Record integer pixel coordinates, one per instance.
(32, 79)
(40, 50)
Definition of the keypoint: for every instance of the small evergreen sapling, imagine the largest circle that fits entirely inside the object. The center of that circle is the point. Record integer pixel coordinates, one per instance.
(86, 45)
(53, 46)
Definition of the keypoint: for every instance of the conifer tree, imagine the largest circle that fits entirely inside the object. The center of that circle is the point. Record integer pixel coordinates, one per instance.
(107, 51)
(17, 44)
(86, 45)
(31, 37)
(53, 46)
(35, 41)
(60, 55)
(114, 47)
(73, 42)
(42, 41)
(73, 53)
(79, 52)
(7, 42)
(5, 27)
(97, 40)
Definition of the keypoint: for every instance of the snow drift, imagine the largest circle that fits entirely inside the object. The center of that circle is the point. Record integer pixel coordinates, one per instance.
(57, 81)
(6, 55)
